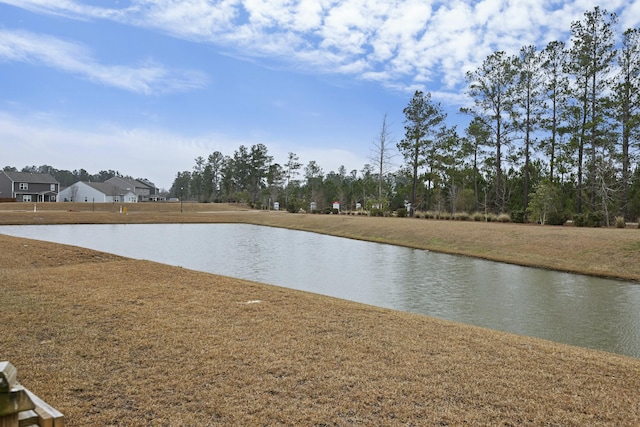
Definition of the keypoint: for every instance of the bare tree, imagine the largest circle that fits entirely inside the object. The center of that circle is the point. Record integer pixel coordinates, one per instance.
(382, 154)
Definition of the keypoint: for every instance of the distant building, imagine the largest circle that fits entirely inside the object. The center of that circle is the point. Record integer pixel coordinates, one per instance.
(28, 187)
(144, 190)
(100, 192)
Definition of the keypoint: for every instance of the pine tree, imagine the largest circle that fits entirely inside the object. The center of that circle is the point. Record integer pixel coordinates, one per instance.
(424, 124)
(491, 87)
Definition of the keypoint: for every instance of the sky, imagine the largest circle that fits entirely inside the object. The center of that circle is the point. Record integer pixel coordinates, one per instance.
(143, 87)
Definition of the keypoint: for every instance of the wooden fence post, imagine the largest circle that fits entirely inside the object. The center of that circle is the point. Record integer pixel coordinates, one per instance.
(20, 407)
(13, 397)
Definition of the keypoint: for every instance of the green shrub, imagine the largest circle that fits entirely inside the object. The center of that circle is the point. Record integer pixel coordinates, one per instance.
(556, 218)
(594, 219)
(620, 222)
(376, 212)
(591, 219)
(293, 207)
(518, 216)
(478, 216)
(578, 220)
(401, 212)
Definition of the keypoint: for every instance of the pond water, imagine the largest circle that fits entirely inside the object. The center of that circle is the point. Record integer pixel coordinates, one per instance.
(568, 308)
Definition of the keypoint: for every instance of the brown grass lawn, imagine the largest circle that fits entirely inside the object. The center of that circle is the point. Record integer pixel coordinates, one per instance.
(113, 341)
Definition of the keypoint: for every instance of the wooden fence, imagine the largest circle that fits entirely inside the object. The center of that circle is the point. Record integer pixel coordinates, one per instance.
(21, 408)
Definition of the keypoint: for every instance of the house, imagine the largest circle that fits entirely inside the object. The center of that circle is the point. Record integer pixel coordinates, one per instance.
(99, 192)
(28, 187)
(144, 190)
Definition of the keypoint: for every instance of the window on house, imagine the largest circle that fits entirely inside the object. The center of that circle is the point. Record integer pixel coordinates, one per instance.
(26, 198)
(23, 186)
(53, 187)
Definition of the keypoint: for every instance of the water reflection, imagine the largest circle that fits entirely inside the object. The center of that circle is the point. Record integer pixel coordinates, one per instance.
(573, 309)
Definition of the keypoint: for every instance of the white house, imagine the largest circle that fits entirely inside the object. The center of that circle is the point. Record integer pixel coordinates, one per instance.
(100, 192)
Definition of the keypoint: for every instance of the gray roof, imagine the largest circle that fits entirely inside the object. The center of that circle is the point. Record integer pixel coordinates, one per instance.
(34, 178)
(106, 188)
(132, 182)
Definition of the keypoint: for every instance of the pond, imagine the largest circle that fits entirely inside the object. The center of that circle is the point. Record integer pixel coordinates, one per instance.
(568, 308)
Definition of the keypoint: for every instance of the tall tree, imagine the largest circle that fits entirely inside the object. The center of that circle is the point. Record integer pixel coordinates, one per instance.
(314, 174)
(627, 97)
(450, 170)
(275, 179)
(554, 59)
(291, 170)
(491, 87)
(478, 135)
(529, 103)
(368, 186)
(215, 165)
(181, 185)
(227, 181)
(259, 162)
(592, 56)
(241, 171)
(424, 124)
(207, 183)
(197, 179)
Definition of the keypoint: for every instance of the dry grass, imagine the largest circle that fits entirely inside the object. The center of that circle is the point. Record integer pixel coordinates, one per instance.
(111, 341)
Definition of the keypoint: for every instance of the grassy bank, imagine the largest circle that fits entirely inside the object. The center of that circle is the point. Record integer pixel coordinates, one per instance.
(114, 341)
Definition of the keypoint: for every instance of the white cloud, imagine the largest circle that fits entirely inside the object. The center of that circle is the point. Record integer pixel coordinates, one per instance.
(147, 78)
(631, 19)
(400, 43)
(67, 8)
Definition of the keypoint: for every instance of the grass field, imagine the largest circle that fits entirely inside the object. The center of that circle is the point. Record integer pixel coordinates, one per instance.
(112, 341)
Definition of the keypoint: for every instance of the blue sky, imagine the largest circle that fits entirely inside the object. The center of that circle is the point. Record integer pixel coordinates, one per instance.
(146, 86)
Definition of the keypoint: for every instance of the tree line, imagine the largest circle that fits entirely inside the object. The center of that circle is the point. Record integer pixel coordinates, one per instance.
(553, 134)
(66, 177)
(560, 124)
